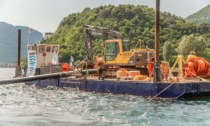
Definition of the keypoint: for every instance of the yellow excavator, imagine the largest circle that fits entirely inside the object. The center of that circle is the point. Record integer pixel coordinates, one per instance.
(117, 52)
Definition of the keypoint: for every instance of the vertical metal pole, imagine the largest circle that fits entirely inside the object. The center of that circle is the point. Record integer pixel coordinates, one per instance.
(18, 70)
(19, 46)
(157, 17)
(157, 72)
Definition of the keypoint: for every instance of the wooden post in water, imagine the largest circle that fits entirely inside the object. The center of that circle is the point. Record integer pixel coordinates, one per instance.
(19, 47)
(18, 70)
(157, 18)
(157, 72)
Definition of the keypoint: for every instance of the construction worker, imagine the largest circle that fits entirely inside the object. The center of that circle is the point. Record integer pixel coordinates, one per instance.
(191, 56)
(150, 66)
(100, 64)
(100, 73)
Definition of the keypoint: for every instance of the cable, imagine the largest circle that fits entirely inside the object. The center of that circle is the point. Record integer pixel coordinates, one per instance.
(162, 91)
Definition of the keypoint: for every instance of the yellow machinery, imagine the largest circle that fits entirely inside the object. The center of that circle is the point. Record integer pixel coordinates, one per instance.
(180, 61)
(117, 52)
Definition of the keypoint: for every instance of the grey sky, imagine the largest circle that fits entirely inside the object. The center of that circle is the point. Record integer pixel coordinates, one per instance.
(45, 15)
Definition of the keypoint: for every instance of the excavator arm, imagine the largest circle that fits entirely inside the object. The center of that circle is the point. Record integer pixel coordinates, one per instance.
(100, 32)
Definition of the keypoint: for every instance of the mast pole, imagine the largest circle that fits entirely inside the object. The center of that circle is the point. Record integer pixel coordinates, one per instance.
(157, 76)
(19, 47)
(157, 18)
(18, 70)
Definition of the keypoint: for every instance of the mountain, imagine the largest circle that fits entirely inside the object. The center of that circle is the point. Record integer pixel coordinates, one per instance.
(9, 41)
(202, 16)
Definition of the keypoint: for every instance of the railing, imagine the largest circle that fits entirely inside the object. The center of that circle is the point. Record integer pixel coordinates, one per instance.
(47, 69)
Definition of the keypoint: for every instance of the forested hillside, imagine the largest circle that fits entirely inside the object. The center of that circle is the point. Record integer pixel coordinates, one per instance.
(202, 16)
(134, 22)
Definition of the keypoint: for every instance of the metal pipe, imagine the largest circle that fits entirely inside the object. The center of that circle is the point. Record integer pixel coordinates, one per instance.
(157, 18)
(19, 47)
(157, 72)
(45, 76)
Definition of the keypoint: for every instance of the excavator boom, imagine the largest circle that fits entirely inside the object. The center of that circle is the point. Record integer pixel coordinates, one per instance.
(100, 32)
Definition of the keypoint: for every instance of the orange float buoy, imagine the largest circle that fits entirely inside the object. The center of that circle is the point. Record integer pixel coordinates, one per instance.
(66, 67)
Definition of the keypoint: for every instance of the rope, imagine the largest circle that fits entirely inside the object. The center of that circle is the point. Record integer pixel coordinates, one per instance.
(202, 79)
(162, 91)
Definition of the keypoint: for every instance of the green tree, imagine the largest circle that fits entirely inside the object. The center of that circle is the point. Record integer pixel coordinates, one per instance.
(192, 43)
(167, 51)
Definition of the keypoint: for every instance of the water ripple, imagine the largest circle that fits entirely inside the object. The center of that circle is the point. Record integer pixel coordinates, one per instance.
(25, 105)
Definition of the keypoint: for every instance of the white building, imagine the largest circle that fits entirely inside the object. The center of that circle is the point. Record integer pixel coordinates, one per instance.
(47, 35)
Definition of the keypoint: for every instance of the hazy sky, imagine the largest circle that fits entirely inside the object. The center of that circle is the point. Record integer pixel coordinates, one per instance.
(45, 15)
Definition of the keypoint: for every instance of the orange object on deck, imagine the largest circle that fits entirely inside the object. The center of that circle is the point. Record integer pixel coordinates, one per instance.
(133, 73)
(165, 68)
(140, 77)
(122, 72)
(66, 67)
(196, 66)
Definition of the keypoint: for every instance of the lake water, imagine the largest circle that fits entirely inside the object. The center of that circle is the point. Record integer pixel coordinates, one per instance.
(22, 105)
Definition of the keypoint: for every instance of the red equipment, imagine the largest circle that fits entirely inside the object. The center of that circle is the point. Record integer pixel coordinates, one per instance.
(196, 66)
(66, 67)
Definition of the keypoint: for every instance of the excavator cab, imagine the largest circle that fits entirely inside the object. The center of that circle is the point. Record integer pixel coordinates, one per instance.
(112, 49)
(125, 45)
(116, 51)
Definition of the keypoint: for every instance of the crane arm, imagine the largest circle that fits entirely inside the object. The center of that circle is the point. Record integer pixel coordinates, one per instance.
(100, 32)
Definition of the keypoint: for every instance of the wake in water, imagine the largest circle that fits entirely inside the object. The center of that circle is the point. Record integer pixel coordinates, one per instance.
(30, 105)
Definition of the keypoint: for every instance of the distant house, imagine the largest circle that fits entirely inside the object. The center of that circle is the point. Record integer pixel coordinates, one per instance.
(47, 35)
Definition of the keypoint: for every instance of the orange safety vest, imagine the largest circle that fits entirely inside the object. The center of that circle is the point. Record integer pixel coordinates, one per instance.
(150, 67)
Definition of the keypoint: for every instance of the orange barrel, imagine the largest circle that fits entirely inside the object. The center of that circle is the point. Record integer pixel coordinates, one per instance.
(133, 73)
(165, 68)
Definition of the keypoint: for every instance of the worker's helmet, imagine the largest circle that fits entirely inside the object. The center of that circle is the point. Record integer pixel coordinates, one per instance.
(192, 52)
